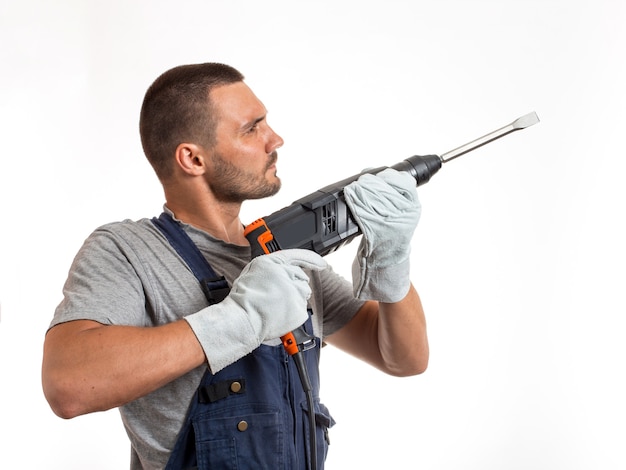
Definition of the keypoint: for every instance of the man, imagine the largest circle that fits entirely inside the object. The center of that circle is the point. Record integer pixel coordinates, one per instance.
(135, 330)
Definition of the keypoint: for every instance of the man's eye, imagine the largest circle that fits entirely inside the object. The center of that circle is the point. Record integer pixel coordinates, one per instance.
(254, 126)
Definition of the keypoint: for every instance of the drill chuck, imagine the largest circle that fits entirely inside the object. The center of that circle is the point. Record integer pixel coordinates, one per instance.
(420, 167)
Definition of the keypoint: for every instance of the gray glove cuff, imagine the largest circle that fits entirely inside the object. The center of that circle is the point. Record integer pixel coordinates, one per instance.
(385, 284)
(224, 332)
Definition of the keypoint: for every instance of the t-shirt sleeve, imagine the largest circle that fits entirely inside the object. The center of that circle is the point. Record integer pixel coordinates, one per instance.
(102, 284)
(336, 299)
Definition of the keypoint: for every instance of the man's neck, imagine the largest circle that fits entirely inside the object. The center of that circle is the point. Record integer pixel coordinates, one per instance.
(218, 219)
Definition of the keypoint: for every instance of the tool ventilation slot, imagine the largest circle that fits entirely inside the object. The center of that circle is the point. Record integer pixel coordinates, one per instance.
(329, 218)
(272, 246)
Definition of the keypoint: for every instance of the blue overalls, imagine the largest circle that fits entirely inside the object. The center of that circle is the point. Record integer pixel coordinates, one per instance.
(252, 414)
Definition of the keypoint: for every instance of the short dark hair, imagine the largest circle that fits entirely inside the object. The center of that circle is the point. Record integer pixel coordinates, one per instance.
(177, 108)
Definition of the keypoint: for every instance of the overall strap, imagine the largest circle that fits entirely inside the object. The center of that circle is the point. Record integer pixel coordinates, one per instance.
(215, 287)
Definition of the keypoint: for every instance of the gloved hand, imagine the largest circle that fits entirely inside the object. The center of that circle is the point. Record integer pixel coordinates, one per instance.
(386, 209)
(266, 301)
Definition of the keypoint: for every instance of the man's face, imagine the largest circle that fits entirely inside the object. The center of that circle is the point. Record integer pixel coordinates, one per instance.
(242, 162)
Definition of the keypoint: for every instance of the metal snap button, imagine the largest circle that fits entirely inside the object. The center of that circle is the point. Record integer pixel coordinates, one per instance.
(235, 387)
(242, 426)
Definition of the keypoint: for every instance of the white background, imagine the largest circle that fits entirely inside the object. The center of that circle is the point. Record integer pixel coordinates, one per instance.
(519, 256)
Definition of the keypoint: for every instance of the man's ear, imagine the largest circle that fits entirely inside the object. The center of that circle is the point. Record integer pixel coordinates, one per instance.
(190, 158)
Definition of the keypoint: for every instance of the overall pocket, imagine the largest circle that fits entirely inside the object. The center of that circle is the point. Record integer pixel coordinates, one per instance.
(240, 438)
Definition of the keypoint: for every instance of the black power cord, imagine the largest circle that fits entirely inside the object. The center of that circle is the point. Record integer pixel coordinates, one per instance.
(295, 344)
(298, 358)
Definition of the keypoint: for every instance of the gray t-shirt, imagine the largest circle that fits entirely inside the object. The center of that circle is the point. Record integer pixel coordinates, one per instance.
(127, 273)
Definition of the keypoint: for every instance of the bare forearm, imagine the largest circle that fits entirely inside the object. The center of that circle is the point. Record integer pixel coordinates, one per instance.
(90, 367)
(391, 337)
(402, 337)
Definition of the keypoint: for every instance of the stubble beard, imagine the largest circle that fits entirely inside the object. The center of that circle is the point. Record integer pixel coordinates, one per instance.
(235, 185)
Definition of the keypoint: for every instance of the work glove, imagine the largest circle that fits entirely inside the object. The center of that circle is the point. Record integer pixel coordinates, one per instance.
(266, 301)
(386, 209)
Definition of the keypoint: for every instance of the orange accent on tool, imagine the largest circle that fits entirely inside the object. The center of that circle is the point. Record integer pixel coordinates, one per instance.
(264, 238)
(290, 344)
(254, 225)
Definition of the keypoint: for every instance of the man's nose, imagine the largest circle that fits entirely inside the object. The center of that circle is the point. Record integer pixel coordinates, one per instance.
(275, 141)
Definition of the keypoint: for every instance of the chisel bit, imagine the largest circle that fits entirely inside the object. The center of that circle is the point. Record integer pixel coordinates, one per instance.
(520, 123)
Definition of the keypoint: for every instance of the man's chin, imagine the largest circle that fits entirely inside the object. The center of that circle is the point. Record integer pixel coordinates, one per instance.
(275, 187)
(275, 184)
(270, 190)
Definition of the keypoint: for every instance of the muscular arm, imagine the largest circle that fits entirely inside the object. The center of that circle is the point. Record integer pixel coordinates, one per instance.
(389, 336)
(89, 367)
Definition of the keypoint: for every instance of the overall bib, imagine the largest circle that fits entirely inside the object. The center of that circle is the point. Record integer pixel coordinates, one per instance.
(252, 414)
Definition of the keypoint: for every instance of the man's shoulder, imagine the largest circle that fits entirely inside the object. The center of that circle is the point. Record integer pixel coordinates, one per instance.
(127, 227)
(134, 234)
